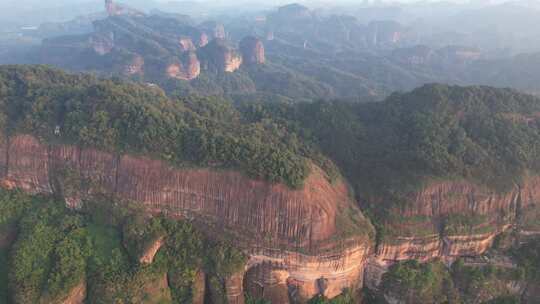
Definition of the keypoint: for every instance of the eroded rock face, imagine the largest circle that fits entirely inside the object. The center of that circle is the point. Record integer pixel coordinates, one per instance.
(291, 236)
(186, 44)
(252, 50)
(187, 69)
(148, 256)
(77, 295)
(302, 277)
(221, 56)
(259, 215)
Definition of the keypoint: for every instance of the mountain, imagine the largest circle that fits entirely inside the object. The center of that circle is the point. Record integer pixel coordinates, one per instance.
(197, 198)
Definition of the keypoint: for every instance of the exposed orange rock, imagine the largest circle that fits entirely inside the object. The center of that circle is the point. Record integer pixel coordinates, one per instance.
(409, 248)
(186, 44)
(77, 295)
(430, 206)
(292, 237)
(259, 215)
(148, 256)
(189, 68)
(220, 55)
(234, 290)
(277, 271)
(252, 50)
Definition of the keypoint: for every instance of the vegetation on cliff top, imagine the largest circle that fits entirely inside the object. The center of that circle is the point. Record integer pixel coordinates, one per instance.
(489, 136)
(139, 118)
(386, 150)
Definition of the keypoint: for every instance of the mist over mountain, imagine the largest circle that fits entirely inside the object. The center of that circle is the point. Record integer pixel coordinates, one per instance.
(268, 152)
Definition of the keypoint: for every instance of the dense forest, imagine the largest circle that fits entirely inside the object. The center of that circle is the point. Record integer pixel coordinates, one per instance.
(56, 249)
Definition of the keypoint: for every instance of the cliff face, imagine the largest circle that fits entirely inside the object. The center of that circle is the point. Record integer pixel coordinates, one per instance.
(187, 69)
(294, 238)
(302, 276)
(219, 55)
(77, 295)
(259, 215)
(186, 44)
(452, 219)
(148, 255)
(252, 50)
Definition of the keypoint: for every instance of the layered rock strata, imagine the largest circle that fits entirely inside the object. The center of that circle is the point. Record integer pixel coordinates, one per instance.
(451, 219)
(258, 214)
(186, 69)
(219, 55)
(293, 238)
(252, 50)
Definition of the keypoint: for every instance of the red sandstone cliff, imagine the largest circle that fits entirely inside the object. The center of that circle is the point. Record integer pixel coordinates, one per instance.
(221, 56)
(186, 69)
(453, 218)
(252, 50)
(271, 222)
(293, 237)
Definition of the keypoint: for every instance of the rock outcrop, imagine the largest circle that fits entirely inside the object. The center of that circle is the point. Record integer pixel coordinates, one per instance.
(450, 219)
(186, 44)
(271, 222)
(187, 68)
(148, 255)
(219, 55)
(295, 240)
(273, 274)
(252, 50)
(77, 295)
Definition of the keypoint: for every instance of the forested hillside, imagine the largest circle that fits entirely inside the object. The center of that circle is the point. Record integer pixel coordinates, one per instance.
(485, 137)
(138, 118)
(489, 136)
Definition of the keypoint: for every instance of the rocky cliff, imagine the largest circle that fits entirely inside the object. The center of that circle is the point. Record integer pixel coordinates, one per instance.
(451, 219)
(221, 56)
(188, 68)
(252, 50)
(299, 242)
(302, 233)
